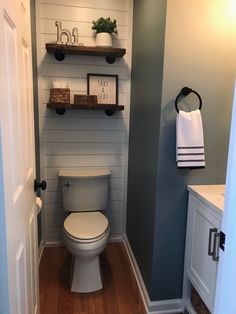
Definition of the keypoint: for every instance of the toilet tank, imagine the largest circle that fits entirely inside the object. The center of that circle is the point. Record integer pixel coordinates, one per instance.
(84, 189)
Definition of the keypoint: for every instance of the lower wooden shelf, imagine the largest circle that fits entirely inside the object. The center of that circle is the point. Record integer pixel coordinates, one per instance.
(62, 107)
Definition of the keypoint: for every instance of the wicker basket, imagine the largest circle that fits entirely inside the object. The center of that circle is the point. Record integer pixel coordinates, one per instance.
(197, 303)
(60, 95)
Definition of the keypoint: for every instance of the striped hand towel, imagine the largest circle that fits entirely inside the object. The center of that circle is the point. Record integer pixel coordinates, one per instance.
(189, 140)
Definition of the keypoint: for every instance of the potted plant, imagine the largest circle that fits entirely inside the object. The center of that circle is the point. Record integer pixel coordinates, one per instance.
(104, 28)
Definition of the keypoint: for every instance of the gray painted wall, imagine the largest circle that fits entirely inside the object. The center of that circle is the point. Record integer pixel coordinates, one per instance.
(147, 67)
(198, 55)
(199, 62)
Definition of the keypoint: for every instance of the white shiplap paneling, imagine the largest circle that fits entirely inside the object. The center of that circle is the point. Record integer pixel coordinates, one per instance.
(74, 70)
(73, 136)
(84, 148)
(87, 41)
(76, 123)
(84, 160)
(82, 14)
(82, 138)
(85, 30)
(120, 5)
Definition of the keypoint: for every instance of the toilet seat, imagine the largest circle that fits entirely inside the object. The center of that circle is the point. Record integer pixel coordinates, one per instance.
(86, 227)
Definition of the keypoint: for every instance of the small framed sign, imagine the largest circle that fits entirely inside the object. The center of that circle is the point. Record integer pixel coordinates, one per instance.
(105, 87)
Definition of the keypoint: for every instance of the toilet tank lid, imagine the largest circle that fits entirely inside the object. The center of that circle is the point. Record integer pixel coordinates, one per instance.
(84, 173)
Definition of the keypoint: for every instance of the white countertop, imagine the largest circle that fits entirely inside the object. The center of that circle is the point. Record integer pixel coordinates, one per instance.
(212, 194)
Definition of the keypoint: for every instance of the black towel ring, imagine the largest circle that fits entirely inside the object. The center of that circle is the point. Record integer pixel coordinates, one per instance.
(185, 91)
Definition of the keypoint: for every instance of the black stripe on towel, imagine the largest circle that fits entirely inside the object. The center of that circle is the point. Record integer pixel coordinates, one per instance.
(191, 167)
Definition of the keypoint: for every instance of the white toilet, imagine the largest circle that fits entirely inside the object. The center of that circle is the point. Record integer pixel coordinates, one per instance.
(86, 229)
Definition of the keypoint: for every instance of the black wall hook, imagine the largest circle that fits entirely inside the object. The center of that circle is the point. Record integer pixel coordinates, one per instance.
(59, 55)
(185, 91)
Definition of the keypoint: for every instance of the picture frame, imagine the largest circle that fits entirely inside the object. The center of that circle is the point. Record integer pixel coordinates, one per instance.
(104, 86)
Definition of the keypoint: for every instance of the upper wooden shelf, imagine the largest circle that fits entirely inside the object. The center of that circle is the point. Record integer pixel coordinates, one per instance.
(109, 52)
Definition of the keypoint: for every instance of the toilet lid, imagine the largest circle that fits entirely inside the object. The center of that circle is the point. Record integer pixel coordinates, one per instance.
(86, 225)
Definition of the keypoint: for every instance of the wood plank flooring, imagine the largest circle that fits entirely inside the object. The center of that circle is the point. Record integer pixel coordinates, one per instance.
(120, 294)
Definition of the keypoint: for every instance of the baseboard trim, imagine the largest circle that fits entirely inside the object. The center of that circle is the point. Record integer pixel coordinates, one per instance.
(137, 274)
(53, 243)
(166, 306)
(151, 307)
(117, 238)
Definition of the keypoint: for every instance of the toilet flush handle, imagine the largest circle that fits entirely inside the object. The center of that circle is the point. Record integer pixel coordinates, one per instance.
(67, 184)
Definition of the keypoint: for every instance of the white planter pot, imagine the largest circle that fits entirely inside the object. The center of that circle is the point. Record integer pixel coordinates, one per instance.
(103, 40)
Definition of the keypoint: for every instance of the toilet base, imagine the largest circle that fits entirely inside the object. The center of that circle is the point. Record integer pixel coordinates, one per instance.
(86, 275)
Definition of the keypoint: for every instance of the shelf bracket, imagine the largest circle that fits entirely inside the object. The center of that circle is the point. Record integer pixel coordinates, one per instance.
(60, 111)
(59, 55)
(110, 112)
(111, 58)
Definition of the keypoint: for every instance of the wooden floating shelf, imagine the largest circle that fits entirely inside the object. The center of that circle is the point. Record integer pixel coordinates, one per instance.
(62, 107)
(60, 50)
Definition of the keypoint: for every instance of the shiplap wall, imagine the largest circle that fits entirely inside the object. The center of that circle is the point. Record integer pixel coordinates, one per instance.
(82, 138)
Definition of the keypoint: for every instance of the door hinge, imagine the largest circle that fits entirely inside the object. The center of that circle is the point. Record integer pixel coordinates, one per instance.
(222, 241)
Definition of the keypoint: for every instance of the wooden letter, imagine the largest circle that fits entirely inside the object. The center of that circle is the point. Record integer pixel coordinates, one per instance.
(61, 32)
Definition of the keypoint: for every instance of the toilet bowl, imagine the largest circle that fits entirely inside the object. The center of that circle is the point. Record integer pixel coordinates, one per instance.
(85, 245)
(85, 232)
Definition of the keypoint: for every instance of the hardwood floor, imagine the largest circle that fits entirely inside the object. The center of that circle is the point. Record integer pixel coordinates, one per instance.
(120, 294)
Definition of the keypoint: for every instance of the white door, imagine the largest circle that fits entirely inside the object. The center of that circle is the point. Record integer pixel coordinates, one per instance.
(225, 289)
(17, 158)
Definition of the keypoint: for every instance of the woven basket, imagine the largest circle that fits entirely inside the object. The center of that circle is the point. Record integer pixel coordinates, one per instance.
(197, 303)
(60, 95)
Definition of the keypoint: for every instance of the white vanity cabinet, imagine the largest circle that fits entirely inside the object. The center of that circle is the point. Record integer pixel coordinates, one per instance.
(202, 243)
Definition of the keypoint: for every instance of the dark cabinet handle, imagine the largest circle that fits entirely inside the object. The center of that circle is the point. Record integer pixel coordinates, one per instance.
(40, 185)
(210, 251)
(216, 246)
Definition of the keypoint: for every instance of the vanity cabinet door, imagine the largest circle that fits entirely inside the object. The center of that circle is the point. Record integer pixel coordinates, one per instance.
(201, 269)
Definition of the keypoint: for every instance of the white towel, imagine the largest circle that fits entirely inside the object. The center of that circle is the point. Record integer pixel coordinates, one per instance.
(189, 140)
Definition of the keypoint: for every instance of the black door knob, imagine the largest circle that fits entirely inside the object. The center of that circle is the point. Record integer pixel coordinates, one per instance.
(40, 185)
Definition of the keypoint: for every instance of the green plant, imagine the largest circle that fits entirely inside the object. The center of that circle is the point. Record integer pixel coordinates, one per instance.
(105, 26)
